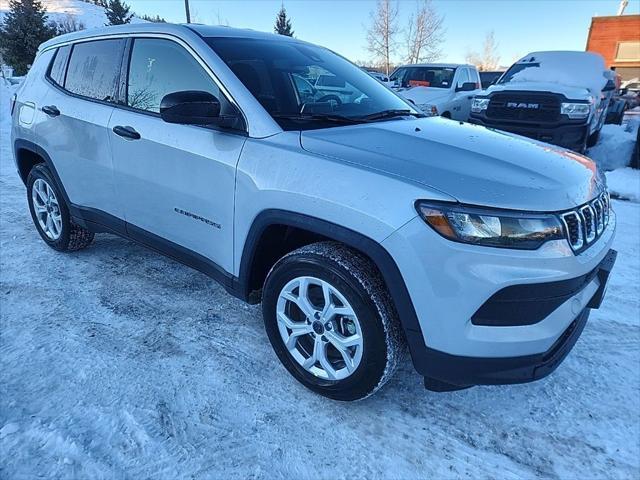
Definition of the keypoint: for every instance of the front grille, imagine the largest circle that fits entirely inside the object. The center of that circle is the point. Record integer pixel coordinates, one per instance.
(510, 106)
(584, 225)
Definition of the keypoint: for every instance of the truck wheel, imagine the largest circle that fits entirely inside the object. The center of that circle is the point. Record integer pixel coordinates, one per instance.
(331, 321)
(50, 213)
(593, 138)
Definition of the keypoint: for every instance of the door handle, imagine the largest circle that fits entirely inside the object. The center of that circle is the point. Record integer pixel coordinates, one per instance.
(126, 132)
(51, 110)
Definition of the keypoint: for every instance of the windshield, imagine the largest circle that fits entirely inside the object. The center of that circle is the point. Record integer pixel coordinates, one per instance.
(303, 86)
(435, 77)
(516, 68)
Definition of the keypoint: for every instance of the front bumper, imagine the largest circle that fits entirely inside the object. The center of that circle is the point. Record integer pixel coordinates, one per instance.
(450, 282)
(571, 136)
(451, 371)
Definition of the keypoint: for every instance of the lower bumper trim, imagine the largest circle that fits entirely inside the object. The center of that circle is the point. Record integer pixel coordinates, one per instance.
(460, 372)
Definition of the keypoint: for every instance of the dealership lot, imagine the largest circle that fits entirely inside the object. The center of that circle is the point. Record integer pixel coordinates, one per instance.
(116, 361)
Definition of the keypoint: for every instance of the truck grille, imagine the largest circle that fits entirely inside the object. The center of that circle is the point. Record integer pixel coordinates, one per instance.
(584, 225)
(525, 108)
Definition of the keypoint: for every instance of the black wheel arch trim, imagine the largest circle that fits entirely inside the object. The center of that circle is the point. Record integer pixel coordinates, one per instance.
(373, 249)
(99, 221)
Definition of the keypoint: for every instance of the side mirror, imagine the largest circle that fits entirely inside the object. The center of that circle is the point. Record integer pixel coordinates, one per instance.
(190, 107)
(466, 87)
(609, 86)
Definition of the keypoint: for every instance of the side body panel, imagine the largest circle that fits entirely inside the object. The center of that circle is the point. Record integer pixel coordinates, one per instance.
(31, 93)
(177, 182)
(275, 173)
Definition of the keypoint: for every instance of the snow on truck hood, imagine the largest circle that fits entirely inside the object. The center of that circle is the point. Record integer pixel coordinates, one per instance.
(473, 164)
(572, 69)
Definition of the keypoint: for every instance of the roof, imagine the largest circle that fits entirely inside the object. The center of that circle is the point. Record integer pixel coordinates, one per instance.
(166, 28)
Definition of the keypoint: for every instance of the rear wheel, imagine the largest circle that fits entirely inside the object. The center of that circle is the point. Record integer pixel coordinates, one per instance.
(330, 321)
(50, 213)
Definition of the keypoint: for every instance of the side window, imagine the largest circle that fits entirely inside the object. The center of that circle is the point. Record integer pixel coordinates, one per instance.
(59, 65)
(159, 67)
(94, 69)
(463, 77)
(473, 75)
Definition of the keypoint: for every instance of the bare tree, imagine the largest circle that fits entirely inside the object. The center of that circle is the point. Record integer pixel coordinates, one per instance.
(68, 24)
(383, 31)
(489, 58)
(425, 33)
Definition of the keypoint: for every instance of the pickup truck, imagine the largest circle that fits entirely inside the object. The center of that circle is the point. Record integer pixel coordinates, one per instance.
(556, 97)
(444, 89)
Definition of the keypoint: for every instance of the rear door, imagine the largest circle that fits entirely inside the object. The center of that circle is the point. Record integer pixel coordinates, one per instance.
(176, 182)
(78, 106)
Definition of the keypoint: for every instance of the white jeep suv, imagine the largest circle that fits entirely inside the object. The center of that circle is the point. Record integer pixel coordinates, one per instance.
(445, 89)
(360, 225)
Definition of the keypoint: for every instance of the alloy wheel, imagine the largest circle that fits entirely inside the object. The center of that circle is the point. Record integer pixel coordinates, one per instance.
(319, 328)
(47, 209)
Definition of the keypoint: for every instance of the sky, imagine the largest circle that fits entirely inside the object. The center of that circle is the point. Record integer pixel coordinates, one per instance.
(520, 26)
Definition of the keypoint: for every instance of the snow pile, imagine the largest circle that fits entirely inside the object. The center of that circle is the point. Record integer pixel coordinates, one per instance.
(572, 69)
(613, 152)
(59, 11)
(615, 146)
(624, 183)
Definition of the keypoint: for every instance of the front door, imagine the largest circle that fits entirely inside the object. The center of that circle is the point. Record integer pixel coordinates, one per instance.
(176, 182)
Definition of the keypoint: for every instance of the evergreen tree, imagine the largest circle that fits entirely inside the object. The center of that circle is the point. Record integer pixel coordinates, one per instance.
(118, 12)
(156, 19)
(23, 29)
(283, 23)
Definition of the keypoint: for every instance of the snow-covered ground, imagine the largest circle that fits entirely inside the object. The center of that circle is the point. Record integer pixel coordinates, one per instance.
(116, 362)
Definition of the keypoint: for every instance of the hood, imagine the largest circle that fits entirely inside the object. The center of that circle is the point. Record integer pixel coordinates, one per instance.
(422, 95)
(473, 164)
(572, 93)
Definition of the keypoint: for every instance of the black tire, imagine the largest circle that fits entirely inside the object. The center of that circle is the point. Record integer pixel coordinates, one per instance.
(593, 139)
(446, 115)
(358, 280)
(72, 236)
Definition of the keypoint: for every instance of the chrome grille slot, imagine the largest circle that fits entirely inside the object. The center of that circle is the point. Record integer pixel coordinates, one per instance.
(588, 217)
(597, 206)
(573, 224)
(606, 205)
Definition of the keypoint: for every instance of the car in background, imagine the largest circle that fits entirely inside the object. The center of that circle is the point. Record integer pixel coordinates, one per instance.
(334, 88)
(558, 97)
(632, 86)
(489, 78)
(445, 89)
(381, 77)
(616, 104)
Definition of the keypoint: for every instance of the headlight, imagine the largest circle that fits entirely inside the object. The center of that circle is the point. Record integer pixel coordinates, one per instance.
(575, 110)
(489, 227)
(429, 109)
(479, 104)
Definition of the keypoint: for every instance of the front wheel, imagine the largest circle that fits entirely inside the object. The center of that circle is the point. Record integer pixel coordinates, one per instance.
(331, 322)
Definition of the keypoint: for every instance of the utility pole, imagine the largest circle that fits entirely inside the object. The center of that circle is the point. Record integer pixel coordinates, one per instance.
(186, 9)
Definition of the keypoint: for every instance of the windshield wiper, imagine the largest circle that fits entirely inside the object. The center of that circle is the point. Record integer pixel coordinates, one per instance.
(390, 114)
(322, 117)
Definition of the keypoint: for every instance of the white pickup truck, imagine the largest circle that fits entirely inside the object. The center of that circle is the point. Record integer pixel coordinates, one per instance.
(445, 89)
